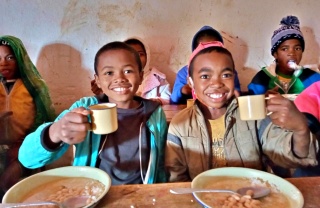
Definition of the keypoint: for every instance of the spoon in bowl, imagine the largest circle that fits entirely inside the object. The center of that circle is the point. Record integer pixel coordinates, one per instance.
(258, 191)
(72, 202)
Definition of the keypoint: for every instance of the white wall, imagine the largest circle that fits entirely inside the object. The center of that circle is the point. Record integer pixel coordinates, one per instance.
(63, 36)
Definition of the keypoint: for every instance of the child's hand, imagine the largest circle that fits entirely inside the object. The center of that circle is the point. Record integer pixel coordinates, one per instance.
(285, 114)
(186, 90)
(72, 128)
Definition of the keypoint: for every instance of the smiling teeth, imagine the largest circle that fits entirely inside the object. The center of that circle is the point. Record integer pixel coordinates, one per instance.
(215, 95)
(120, 89)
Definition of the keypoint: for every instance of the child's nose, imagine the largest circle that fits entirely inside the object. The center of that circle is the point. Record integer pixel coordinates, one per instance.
(216, 83)
(292, 51)
(2, 61)
(120, 78)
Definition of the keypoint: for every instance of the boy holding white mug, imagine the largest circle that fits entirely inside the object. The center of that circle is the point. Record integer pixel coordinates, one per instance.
(132, 154)
(210, 134)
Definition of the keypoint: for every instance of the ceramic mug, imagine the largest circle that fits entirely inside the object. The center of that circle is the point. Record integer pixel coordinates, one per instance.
(104, 119)
(252, 107)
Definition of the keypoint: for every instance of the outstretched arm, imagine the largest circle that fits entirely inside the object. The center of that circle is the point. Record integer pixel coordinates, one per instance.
(287, 116)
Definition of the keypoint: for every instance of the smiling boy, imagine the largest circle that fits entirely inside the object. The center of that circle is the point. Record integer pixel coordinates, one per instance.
(131, 155)
(210, 134)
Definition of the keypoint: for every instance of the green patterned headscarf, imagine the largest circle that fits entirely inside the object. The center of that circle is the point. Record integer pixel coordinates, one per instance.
(32, 80)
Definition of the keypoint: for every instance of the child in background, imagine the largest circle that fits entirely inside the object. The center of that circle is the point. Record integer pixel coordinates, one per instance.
(181, 90)
(24, 96)
(285, 75)
(154, 85)
(210, 134)
(134, 153)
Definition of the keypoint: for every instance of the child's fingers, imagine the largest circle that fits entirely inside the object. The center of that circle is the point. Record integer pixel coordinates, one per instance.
(81, 110)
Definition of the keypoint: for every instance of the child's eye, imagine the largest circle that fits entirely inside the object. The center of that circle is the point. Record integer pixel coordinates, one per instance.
(298, 48)
(227, 75)
(109, 73)
(128, 71)
(204, 76)
(10, 57)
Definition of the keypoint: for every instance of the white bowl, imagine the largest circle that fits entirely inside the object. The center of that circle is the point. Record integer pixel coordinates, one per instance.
(292, 193)
(19, 190)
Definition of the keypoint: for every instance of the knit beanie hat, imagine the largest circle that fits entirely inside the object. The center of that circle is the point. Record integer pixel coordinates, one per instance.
(290, 29)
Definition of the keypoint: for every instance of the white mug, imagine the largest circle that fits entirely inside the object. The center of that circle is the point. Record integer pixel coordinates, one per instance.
(104, 118)
(252, 107)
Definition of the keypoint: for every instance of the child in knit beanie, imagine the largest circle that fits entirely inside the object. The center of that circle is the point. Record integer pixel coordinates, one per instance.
(285, 75)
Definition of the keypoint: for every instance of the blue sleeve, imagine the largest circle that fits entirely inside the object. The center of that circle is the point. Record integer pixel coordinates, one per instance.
(256, 89)
(312, 78)
(33, 154)
(259, 83)
(181, 79)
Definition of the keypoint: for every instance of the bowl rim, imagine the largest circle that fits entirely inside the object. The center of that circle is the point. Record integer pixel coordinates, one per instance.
(230, 171)
(66, 169)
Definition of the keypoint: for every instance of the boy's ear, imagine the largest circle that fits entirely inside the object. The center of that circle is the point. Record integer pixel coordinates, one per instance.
(275, 55)
(141, 76)
(190, 81)
(97, 80)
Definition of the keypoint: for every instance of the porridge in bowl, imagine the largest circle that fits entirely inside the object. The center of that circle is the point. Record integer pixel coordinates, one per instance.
(63, 188)
(283, 193)
(225, 200)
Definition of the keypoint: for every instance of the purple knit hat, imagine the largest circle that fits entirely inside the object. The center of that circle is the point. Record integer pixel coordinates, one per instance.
(290, 29)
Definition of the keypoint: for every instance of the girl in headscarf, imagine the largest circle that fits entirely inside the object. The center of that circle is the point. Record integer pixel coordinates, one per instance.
(24, 105)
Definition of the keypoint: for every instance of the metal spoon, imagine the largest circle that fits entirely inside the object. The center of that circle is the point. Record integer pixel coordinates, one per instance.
(73, 202)
(258, 191)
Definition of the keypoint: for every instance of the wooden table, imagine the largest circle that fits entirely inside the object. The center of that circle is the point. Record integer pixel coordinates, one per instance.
(158, 195)
(171, 110)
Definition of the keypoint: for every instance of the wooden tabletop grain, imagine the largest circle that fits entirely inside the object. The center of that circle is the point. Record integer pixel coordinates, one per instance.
(158, 195)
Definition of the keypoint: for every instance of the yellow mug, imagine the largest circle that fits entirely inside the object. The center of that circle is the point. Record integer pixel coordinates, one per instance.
(104, 118)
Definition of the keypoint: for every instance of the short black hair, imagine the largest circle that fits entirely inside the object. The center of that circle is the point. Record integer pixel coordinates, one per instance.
(116, 45)
(217, 49)
(134, 41)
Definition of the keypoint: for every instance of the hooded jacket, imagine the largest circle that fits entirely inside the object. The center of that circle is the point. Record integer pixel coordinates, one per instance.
(181, 78)
(267, 78)
(33, 153)
(188, 149)
(154, 84)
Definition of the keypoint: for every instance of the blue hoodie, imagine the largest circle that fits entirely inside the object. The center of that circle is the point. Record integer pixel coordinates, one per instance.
(181, 79)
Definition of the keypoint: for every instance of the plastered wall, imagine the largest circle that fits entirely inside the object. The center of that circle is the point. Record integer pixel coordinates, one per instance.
(63, 36)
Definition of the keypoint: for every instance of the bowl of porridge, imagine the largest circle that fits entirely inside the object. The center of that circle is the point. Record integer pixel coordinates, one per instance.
(59, 184)
(283, 193)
